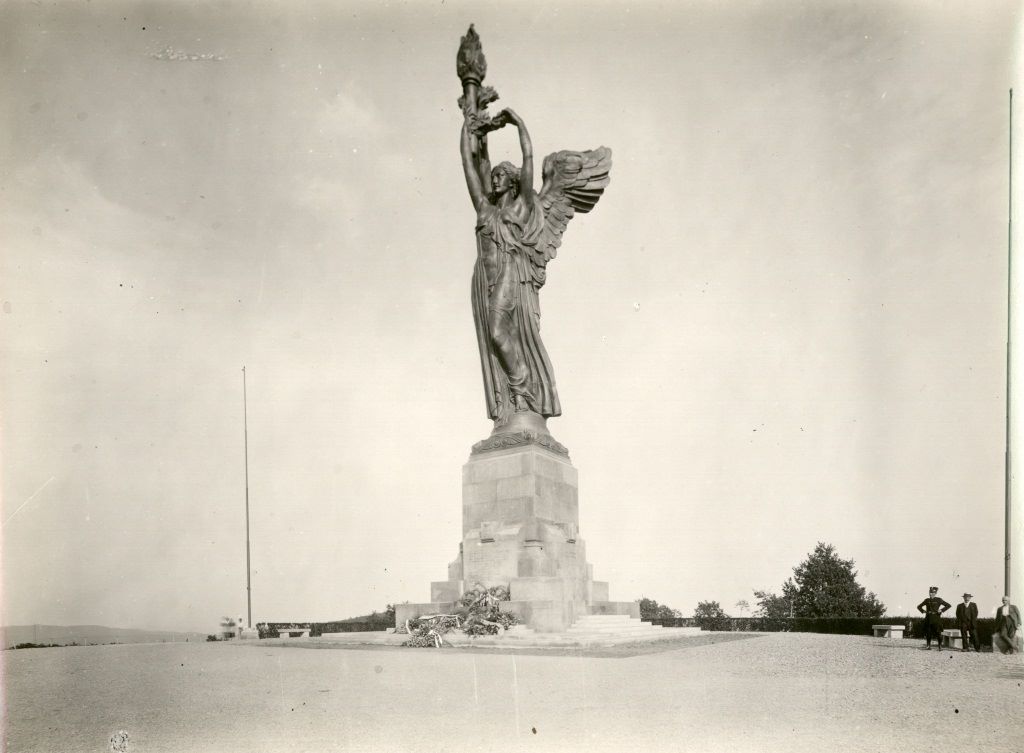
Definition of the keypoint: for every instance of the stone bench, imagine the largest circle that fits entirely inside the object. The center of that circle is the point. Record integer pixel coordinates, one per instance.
(952, 639)
(888, 631)
(287, 633)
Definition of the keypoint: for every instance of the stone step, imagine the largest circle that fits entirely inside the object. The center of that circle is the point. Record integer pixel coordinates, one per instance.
(612, 627)
(598, 633)
(616, 625)
(556, 640)
(616, 620)
(611, 631)
(520, 630)
(607, 617)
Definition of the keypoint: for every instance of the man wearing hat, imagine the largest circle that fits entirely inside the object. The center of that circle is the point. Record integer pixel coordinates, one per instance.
(967, 620)
(932, 609)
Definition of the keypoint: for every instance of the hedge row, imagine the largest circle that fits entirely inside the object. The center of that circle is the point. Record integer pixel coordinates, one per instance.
(274, 629)
(914, 626)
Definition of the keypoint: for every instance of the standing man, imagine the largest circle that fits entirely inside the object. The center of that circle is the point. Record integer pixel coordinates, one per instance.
(932, 609)
(1007, 624)
(967, 621)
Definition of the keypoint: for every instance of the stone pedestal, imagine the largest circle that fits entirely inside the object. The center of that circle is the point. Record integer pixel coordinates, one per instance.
(520, 529)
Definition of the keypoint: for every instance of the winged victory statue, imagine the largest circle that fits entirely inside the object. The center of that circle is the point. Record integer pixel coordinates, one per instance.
(518, 231)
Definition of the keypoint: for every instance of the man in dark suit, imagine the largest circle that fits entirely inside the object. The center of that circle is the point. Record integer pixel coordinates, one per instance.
(932, 609)
(967, 621)
(1005, 639)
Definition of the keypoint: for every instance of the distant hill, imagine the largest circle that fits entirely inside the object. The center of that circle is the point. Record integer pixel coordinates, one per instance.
(91, 634)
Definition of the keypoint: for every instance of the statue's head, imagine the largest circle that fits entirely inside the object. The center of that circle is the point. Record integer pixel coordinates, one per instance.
(505, 177)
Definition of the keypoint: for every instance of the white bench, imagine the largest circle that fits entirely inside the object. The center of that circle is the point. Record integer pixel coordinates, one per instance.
(952, 639)
(287, 633)
(888, 631)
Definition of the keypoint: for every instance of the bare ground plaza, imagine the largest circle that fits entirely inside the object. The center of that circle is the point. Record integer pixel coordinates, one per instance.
(711, 692)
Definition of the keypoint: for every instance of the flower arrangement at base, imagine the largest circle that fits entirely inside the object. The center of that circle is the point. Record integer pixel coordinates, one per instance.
(478, 613)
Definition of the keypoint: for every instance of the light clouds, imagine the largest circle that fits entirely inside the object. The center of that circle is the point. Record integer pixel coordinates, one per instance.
(816, 353)
(170, 53)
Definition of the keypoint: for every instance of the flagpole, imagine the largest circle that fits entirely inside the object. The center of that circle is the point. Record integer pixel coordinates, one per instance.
(1009, 313)
(248, 566)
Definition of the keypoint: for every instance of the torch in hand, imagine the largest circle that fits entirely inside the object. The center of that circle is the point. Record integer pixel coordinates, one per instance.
(471, 67)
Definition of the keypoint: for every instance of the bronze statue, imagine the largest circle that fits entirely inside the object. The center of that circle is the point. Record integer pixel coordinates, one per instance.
(518, 231)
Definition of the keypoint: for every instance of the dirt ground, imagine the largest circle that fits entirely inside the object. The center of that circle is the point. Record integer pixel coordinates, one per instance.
(778, 692)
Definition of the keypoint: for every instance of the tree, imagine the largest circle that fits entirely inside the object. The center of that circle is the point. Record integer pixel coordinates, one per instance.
(652, 610)
(772, 606)
(710, 616)
(743, 605)
(823, 585)
(827, 587)
(383, 619)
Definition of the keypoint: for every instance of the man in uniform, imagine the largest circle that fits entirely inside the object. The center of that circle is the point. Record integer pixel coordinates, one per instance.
(967, 621)
(932, 609)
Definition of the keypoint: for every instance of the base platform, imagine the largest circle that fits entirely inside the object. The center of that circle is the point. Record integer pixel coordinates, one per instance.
(520, 531)
(595, 630)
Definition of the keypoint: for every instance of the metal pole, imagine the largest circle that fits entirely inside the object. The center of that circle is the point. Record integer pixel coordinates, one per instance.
(1009, 309)
(248, 566)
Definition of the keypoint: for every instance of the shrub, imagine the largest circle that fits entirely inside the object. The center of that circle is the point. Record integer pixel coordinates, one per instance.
(652, 610)
(41, 645)
(709, 615)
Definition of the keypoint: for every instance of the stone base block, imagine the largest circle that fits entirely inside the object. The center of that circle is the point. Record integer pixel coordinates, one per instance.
(539, 589)
(446, 590)
(518, 484)
(541, 616)
(520, 529)
(632, 608)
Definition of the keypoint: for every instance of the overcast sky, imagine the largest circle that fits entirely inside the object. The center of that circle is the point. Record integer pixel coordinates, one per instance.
(784, 322)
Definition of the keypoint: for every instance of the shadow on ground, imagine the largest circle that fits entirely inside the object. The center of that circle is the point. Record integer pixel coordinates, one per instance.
(621, 651)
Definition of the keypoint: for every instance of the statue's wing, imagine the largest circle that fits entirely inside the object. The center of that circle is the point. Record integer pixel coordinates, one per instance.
(573, 182)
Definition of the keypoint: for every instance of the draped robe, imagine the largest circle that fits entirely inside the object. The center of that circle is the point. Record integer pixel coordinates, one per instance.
(507, 276)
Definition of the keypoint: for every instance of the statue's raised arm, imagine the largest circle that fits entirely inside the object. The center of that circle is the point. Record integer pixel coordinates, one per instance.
(471, 167)
(518, 232)
(525, 146)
